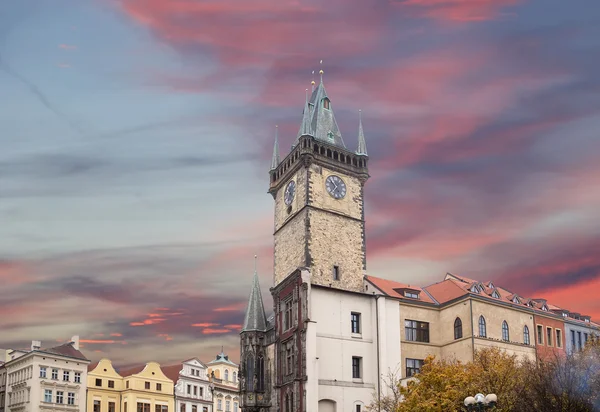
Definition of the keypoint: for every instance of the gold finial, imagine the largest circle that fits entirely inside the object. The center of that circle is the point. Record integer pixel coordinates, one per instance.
(321, 71)
(255, 256)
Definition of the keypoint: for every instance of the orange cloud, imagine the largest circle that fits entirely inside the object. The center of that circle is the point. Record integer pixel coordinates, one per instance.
(165, 335)
(231, 308)
(209, 331)
(116, 334)
(204, 325)
(96, 341)
(233, 326)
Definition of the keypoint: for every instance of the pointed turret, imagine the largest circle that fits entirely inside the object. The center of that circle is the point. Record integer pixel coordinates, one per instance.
(321, 122)
(275, 159)
(306, 115)
(362, 144)
(255, 319)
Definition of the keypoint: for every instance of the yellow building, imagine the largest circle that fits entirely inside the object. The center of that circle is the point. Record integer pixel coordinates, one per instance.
(224, 376)
(147, 389)
(105, 386)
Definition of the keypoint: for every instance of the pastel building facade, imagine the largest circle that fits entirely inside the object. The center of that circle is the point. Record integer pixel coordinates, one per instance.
(223, 374)
(50, 379)
(192, 386)
(105, 388)
(147, 389)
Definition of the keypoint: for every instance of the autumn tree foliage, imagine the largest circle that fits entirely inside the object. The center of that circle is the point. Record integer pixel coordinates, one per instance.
(567, 384)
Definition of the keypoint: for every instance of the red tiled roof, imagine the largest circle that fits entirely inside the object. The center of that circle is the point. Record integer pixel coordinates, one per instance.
(446, 290)
(66, 349)
(388, 287)
(172, 371)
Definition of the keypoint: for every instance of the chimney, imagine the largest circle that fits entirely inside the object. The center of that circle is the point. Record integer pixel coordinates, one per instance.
(36, 345)
(75, 342)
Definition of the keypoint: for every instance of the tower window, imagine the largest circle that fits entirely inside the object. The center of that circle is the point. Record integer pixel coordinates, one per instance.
(336, 272)
(326, 103)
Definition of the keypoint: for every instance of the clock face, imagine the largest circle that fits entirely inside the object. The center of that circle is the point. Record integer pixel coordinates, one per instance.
(335, 186)
(290, 191)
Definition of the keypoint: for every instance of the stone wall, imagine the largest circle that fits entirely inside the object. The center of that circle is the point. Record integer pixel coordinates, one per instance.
(290, 247)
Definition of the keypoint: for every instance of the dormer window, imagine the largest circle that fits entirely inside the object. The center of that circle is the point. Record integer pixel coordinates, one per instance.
(516, 300)
(491, 285)
(496, 294)
(410, 294)
(475, 289)
(564, 315)
(545, 308)
(326, 103)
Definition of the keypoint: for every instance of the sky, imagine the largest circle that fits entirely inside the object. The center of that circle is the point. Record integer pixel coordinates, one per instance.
(137, 134)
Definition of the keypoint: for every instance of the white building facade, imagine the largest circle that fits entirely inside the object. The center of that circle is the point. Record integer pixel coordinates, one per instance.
(52, 379)
(192, 386)
(223, 375)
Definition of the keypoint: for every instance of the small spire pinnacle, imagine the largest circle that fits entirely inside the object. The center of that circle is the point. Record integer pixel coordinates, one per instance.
(255, 259)
(255, 319)
(362, 144)
(313, 82)
(275, 159)
(321, 71)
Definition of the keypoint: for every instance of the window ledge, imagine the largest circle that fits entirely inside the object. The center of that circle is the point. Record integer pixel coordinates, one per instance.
(356, 335)
(357, 380)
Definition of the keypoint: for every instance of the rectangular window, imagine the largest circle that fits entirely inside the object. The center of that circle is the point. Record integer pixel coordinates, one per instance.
(558, 338)
(336, 273)
(227, 406)
(195, 390)
(416, 331)
(111, 407)
(146, 385)
(55, 374)
(189, 389)
(66, 376)
(98, 382)
(585, 337)
(77, 377)
(127, 385)
(71, 398)
(289, 357)
(540, 334)
(549, 336)
(205, 409)
(194, 408)
(219, 405)
(97, 406)
(356, 372)
(111, 384)
(143, 407)
(358, 408)
(161, 408)
(287, 320)
(579, 344)
(125, 407)
(408, 295)
(201, 391)
(48, 395)
(573, 340)
(413, 366)
(42, 371)
(159, 387)
(59, 397)
(235, 407)
(355, 322)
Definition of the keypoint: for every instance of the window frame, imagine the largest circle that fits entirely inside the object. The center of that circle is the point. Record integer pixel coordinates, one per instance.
(549, 336)
(357, 367)
(416, 365)
(539, 336)
(526, 336)
(458, 332)
(416, 331)
(355, 326)
(558, 338)
(505, 331)
(482, 327)
(288, 314)
(336, 272)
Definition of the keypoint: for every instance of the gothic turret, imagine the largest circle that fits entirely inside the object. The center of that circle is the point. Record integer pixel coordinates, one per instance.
(362, 145)
(318, 119)
(255, 319)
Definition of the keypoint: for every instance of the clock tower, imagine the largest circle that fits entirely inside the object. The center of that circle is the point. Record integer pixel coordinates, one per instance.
(318, 190)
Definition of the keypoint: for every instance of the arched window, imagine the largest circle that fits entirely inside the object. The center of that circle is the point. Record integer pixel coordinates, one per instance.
(505, 336)
(226, 375)
(250, 373)
(234, 377)
(526, 335)
(482, 330)
(260, 372)
(458, 328)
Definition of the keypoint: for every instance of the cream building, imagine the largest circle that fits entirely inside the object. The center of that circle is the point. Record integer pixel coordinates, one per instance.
(192, 386)
(223, 374)
(105, 387)
(147, 389)
(49, 379)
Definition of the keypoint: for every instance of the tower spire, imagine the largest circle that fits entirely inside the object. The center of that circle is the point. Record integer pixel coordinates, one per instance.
(305, 128)
(275, 159)
(362, 144)
(255, 319)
